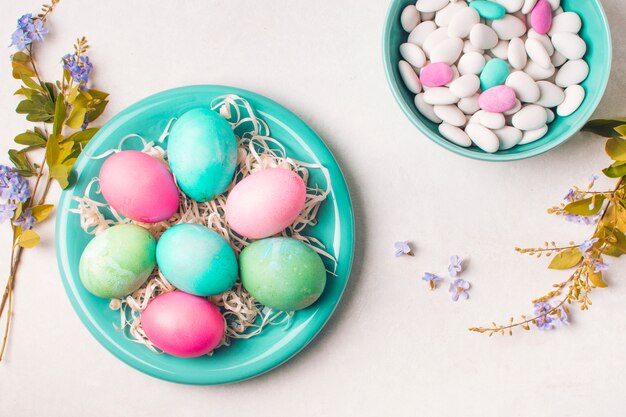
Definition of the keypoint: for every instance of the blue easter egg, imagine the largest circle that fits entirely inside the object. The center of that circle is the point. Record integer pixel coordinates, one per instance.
(202, 152)
(196, 260)
(494, 73)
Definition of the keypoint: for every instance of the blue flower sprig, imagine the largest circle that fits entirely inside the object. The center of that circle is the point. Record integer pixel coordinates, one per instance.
(62, 112)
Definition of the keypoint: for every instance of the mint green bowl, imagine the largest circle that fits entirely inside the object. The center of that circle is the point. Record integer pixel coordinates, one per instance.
(595, 32)
(244, 358)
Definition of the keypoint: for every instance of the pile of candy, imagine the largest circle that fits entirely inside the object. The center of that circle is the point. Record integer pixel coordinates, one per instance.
(493, 73)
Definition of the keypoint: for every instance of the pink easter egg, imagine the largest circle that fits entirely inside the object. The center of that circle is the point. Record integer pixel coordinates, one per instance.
(265, 203)
(497, 99)
(182, 324)
(139, 186)
(436, 74)
(541, 17)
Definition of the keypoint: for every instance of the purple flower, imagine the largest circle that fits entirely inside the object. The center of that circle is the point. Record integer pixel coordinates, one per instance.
(459, 288)
(600, 266)
(13, 186)
(586, 220)
(26, 220)
(36, 30)
(24, 21)
(456, 265)
(547, 320)
(403, 248)
(79, 67)
(7, 210)
(432, 279)
(570, 196)
(20, 39)
(587, 244)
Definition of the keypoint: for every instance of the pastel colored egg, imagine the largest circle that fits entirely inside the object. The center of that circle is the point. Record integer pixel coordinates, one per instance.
(117, 261)
(436, 74)
(265, 203)
(202, 152)
(138, 186)
(182, 324)
(541, 17)
(488, 9)
(497, 99)
(282, 273)
(196, 259)
(494, 73)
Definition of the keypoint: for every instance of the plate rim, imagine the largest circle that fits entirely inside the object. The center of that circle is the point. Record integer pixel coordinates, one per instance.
(102, 338)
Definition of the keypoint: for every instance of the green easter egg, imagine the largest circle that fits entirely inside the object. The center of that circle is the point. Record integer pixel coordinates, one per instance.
(494, 73)
(282, 273)
(118, 261)
(488, 9)
(202, 152)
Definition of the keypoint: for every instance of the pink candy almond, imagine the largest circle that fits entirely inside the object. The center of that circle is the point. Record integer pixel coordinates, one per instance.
(436, 74)
(541, 17)
(497, 99)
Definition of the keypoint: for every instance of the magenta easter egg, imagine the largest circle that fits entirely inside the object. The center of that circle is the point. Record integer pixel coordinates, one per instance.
(182, 324)
(139, 187)
(265, 203)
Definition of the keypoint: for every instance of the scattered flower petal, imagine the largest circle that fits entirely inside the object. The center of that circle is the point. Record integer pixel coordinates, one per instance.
(599, 266)
(459, 288)
(402, 248)
(432, 279)
(456, 265)
(587, 244)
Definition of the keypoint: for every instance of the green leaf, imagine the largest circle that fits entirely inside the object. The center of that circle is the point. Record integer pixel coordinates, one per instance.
(21, 70)
(586, 207)
(84, 136)
(20, 57)
(611, 250)
(42, 212)
(77, 117)
(52, 92)
(30, 138)
(53, 150)
(20, 161)
(28, 239)
(97, 110)
(604, 127)
(59, 115)
(98, 94)
(30, 83)
(616, 149)
(616, 170)
(566, 259)
(596, 278)
(26, 92)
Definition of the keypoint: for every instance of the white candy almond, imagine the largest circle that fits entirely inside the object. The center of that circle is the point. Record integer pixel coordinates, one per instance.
(427, 110)
(525, 87)
(427, 6)
(455, 135)
(450, 114)
(530, 117)
(410, 78)
(463, 22)
(538, 53)
(447, 51)
(482, 137)
(574, 96)
(409, 18)
(508, 137)
(550, 95)
(570, 45)
(413, 54)
(517, 53)
(509, 27)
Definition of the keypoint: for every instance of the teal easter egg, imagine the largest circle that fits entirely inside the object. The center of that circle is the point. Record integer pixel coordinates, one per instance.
(196, 260)
(202, 152)
(494, 73)
(488, 9)
(117, 261)
(282, 273)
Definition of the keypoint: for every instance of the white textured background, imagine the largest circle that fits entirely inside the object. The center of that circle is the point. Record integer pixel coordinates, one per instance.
(393, 348)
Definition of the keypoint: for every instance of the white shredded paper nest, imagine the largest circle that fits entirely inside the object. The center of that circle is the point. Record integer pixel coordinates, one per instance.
(256, 150)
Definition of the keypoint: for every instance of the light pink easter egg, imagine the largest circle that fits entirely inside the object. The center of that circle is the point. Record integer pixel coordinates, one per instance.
(497, 99)
(541, 17)
(139, 187)
(265, 203)
(182, 324)
(436, 74)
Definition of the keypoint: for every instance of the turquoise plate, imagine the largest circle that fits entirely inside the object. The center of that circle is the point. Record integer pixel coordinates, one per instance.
(244, 358)
(595, 32)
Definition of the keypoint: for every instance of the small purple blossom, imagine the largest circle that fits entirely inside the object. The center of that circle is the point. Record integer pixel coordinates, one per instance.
(458, 289)
(13, 186)
(545, 321)
(26, 220)
(79, 67)
(36, 30)
(402, 248)
(456, 265)
(7, 210)
(586, 220)
(587, 244)
(20, 39)
(432, 279)
(570, 196)
(24, 21)
(599, 266)
(592, 179)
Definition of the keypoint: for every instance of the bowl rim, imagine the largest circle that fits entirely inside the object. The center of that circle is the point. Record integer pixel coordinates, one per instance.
(575, 127)
(270, 362)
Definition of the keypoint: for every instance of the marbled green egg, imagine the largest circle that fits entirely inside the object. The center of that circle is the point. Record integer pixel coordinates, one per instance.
(488, 9)
(202, 152)
(494, 73)
(118, 261)
(282, 273)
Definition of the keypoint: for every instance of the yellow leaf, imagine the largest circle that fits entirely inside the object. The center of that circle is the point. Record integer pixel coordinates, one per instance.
(42, 212)
(566, 259)
(61, 173)
(28, 239)
(77, 117)
(596, 278)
